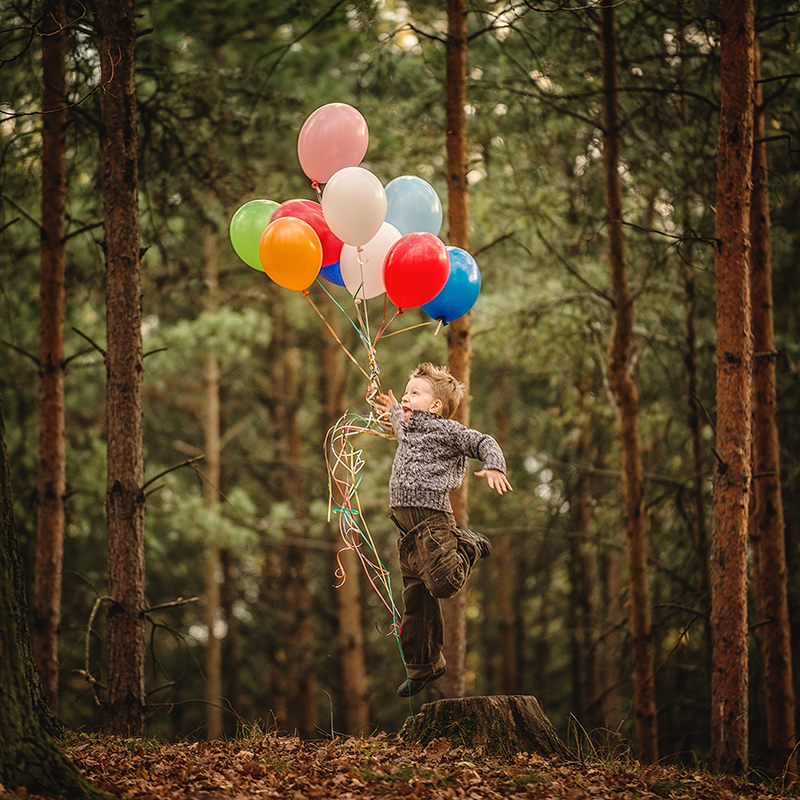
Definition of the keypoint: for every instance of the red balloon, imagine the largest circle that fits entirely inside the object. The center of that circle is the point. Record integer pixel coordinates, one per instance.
(311, 212)
(416, 269)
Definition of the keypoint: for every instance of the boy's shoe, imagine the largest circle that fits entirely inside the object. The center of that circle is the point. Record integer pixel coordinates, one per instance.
(475, 541)
(411, 686)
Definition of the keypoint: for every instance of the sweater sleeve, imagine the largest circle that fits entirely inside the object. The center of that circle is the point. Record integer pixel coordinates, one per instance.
(396, 417)
(484, 448)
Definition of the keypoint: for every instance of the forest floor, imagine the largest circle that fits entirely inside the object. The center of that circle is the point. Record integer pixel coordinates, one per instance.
(266, 766)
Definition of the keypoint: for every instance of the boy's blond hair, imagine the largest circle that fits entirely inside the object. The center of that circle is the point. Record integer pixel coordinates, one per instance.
(446, 389)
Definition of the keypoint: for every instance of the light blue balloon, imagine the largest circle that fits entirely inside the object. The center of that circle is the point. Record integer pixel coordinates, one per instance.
(461, 290)
(413, 206)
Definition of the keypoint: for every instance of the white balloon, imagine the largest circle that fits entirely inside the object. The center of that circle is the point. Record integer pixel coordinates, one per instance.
(354, 205)
(363, 277)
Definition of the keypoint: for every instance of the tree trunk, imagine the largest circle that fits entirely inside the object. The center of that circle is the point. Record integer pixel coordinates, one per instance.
(52, 450)
(693, 406)
(614, 619)
(459, 352)
(506, 564)
(125, 499)
(583, 591)
(351, 648)
(767, 521)
(501, 725)
(28, 756)
(295, 676)
(231, 655)
(211, 497)
(303, 707)
(627, 399)
(700, 528)
(729, 680)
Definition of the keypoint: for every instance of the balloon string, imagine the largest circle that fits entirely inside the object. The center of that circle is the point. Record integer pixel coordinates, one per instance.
(385, 325)
(344, 467)
(336, 336)
(344, 463)
(362, 289)
(409, 328)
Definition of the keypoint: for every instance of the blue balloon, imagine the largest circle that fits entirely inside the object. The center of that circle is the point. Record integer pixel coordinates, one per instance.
(332, 273)
(461, 290)
(413, 206)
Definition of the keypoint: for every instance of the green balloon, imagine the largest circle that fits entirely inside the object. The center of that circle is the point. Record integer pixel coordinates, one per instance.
(247, 225)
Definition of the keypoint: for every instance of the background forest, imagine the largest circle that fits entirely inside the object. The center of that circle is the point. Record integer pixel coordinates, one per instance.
(222, 94)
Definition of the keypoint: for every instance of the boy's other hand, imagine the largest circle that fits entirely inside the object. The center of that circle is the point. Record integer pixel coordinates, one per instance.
(496, 480)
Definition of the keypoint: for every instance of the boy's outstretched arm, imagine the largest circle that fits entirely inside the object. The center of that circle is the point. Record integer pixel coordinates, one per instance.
(496, 479)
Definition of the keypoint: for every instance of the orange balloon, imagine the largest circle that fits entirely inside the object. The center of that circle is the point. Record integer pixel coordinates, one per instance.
(291, 253)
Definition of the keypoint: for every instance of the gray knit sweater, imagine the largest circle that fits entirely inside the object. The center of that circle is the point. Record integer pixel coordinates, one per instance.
(431, 458)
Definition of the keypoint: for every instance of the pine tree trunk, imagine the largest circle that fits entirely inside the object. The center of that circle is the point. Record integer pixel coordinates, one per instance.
(693, 420)
(686, 252)
(231, 654)
(507, 608)
(614, 619)
(295, 678)
(729, 679)
(500, 725)
(28, 756)
(211, 497)
(627, 399)
(506, 564)
(351, 647)
(583, 588)
(459, 352)
(52, 449)
(767, 521)
(125, 500)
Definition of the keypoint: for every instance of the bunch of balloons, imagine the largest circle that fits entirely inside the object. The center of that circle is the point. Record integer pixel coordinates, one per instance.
(366, 237)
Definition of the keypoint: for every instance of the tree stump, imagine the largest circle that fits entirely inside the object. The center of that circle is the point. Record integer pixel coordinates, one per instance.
(501, 724)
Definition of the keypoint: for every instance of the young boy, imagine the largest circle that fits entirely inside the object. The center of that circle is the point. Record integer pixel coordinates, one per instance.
(436, 555)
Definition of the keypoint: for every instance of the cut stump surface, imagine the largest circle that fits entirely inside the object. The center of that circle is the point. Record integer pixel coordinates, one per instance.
(500, 724)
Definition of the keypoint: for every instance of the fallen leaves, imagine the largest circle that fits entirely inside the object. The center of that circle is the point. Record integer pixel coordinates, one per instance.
(378, 767)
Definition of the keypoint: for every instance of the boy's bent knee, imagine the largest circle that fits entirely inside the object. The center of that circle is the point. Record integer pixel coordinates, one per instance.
(447, 576)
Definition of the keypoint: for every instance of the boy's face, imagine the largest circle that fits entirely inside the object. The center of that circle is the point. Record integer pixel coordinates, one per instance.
(418, 396)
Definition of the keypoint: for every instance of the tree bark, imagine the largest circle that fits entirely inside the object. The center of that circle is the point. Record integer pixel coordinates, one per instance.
(28, 756)
(614, 620)
(729, 679)
(125, 500)
(501, 725)
(295, 677)
(211, 497)
(231, 653)
(52, 449)
(627, 399)
(506, 564)
(767, 521)
(459, 349)
(583, 571)
(686, 252)
(350, 630)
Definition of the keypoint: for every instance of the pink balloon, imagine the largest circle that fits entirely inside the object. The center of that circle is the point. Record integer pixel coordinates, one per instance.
(335, 136)
(416, 269)
(311, 212)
